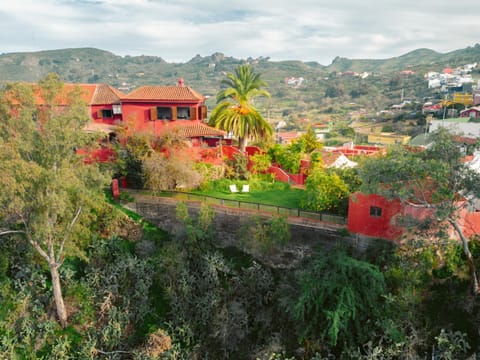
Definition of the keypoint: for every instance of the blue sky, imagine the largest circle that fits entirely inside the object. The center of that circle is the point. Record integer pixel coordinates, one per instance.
(177, 30)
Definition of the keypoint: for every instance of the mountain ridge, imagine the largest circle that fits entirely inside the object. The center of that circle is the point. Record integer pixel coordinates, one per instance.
(313, 85)
(414, 58)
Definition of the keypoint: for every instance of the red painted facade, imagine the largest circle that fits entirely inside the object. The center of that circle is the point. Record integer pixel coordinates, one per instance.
(473, 112)
(147, 109)
(374, 216)
(471, 224)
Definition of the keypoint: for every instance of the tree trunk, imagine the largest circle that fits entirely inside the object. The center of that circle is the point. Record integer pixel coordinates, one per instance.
(466, 250)
(57, 295)
(242, 143)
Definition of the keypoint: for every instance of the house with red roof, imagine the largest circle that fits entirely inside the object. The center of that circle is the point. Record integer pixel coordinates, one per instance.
(287, 137)
(472, 112)
(373, 215)
(147, 109)
(154, 110)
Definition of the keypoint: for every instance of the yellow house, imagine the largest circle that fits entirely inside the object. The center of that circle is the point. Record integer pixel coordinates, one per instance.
(388, 139)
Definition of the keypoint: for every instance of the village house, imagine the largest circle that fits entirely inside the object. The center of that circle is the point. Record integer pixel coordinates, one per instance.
(473, 112)
(287, 137)
(155, 110)
(388, 139)
(375, 216)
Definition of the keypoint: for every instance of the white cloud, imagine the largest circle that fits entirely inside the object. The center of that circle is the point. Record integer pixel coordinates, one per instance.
(177, 30)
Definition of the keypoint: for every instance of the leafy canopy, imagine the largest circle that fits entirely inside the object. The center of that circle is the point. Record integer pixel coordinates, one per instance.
(435, 178)
(47, 190)
(235, 111)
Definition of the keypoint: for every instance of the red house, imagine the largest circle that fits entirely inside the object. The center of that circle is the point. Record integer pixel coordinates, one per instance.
(105, 104)
(154, 110)
(473, 112)
(148, 109)
(375, 216)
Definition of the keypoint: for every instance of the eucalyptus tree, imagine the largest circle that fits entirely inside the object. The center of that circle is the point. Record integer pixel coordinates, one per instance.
(47, 189)
(235, 111)
(436, 180)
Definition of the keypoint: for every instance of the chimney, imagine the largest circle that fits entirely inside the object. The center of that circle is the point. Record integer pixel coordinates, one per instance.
(180, 82)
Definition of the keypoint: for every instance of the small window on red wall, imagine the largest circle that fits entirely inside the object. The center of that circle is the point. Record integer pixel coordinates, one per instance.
(164, 113)
(375, 211)
(105, 113)
(183, 112)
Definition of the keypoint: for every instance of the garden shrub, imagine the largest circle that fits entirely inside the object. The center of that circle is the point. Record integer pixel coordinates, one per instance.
(325, 192)
(236, 168)
(260, 163)
(260, 236)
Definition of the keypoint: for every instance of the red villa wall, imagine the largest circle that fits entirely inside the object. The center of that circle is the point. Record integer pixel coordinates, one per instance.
(137, 114)
(361, 222)
(94, 114)
(470, 223)
(385, 226)
(279, 173)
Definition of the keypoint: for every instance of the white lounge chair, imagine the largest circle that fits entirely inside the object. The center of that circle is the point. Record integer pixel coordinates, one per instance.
(246, 188)
(233, 188)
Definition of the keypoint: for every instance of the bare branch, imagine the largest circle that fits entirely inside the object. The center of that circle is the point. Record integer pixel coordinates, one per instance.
(66, 235)
(7, 232)
(112, 352)
(37, 247)
(34, 243)
(467, 252)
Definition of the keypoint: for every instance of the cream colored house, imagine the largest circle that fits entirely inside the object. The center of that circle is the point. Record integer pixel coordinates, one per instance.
(388, 139)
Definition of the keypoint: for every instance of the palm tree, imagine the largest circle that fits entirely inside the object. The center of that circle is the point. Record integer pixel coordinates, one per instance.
(235, 111)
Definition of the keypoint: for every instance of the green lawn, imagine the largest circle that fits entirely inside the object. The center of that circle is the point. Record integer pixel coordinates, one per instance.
(289, 198)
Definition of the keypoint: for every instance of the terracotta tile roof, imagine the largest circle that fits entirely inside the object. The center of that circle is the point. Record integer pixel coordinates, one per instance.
(105, 94)
(191, 129)
(169, 93)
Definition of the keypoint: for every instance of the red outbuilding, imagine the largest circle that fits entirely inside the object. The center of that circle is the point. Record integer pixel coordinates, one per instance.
(375, 216)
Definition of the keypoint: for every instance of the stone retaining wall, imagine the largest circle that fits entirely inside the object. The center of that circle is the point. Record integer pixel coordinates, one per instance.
(228, 222)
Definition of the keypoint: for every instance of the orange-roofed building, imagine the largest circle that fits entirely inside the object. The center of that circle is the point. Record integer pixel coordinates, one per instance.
(153, 110)
(156, 110)
(147, 109)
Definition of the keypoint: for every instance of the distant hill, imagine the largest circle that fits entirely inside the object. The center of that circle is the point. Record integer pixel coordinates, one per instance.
(89, 65)
(321, 90)
(414, 58)
(417, 59)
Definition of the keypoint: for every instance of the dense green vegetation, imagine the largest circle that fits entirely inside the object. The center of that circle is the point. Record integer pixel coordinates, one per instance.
(133, 291)
(146, 295)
